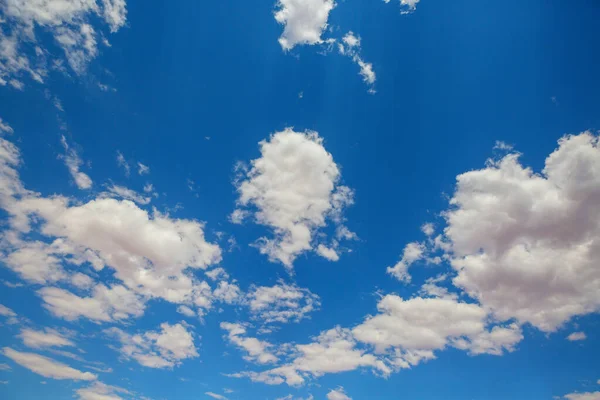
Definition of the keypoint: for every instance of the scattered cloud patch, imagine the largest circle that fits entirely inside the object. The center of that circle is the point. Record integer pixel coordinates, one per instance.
(165, 348)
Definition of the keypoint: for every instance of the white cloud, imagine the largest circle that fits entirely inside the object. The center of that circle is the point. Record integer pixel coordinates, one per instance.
(412, 252)
(327, 252)
(127, 194)
(157, 349)
(4, 127)
(115, 13)
(143, 169)
(217, 273)
(304, 21)
(151, 254)
(122, 162)
(414, 328)
(46, 367)
(351, 40)
(258, 350)
(527, 245)
(281, 303)
(577, 336)
(295, 189)
(5, 367)
(408, 5)
(45, 338)
(215, 396)
(338, 394)
(351, 46)
(105, 305)
(101, 391)
(67, 21)
(332, 351)
(187, 311)
(583, 396)
(428, 229)
(228, 293)
(7, 312)
(73, 163)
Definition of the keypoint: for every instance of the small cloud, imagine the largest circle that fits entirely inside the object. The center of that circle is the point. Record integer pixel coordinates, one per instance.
(121, 162)
(143, 169)
(500, 145)
(576, 336)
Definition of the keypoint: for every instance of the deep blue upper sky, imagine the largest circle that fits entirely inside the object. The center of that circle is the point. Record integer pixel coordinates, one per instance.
(192, 88)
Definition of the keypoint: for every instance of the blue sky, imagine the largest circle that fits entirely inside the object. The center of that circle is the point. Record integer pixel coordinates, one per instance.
(299, 199)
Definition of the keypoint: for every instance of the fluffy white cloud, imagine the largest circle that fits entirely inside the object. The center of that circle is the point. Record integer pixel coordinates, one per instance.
(332, 351)
(101, 391)
(412, 252)
(304, 21)
(414, 328)
(45, 338)
(338, 394)
(67, 21)
(577, 336)
(258, 350)
(294, 186)
(281, 303)
(46, 367)
(105, 305)
(157, 349)
(527, 245)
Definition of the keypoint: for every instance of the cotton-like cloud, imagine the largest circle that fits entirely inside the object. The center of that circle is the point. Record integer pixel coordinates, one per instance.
(73, 163)
(281, 303)
(294, 189)
(46, 367)
(106, 303)
(338, 394)
(143, 169)
(525, 244)
(304, 21)
(66, 21)
(258, 350)
(7, 312)
(157, 349)
(45, 338)
(332, 351)
(419, 326)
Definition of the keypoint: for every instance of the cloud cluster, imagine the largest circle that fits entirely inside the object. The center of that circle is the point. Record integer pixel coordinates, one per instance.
(338, 394)
(257, 350)
(281, 303)
(68, 22)
(157, 349)
(294, 189)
